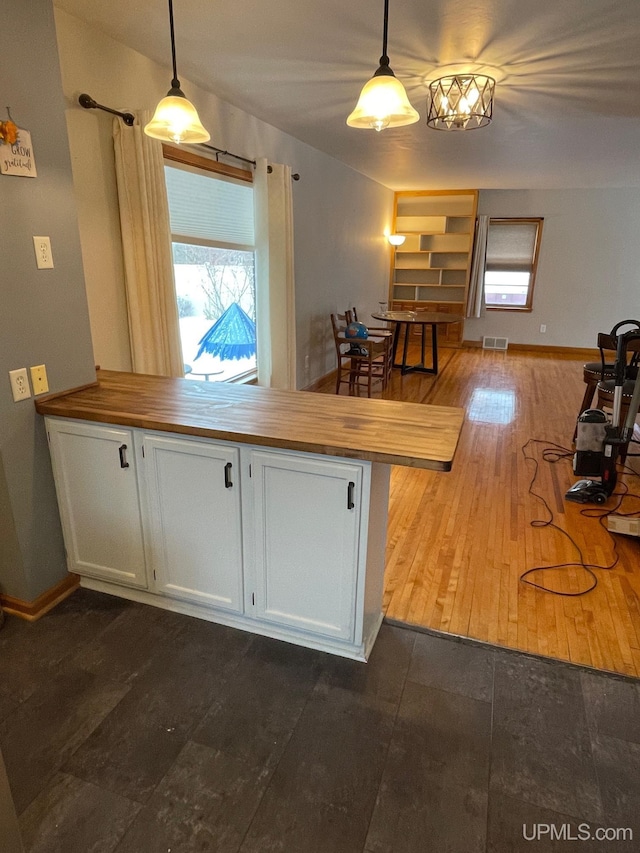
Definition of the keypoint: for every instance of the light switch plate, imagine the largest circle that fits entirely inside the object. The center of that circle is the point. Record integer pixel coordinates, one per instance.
(39, 381)
(44, 258)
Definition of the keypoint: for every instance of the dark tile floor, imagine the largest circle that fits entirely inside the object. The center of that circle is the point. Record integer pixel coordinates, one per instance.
(131, 729)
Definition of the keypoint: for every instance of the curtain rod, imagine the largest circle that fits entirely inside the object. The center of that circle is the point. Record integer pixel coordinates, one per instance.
(295, 177)
(225, 153)
(88, 103)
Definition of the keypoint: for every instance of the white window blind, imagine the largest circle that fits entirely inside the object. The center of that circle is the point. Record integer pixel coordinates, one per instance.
(511, 246)
(212, 209)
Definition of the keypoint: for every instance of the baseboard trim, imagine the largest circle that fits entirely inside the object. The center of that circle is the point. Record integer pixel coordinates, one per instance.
(298, 636)
(318, 383)
(579, 352)
(33, 610)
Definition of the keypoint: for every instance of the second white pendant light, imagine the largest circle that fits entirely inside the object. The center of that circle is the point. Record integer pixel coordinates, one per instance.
(383, 101)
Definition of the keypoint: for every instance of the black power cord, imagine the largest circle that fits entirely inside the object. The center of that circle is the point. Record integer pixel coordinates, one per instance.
(554, 453)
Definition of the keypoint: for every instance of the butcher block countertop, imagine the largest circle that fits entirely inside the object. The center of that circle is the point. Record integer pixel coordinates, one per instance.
(388, 431)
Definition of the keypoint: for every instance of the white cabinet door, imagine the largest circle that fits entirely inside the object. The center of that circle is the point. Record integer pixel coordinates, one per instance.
(95, 474)
(306, 516)
(193, 506)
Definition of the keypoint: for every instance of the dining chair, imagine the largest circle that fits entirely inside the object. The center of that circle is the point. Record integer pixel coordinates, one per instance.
(594, 372)
(606, 389)
(378, 332)
(361, 362)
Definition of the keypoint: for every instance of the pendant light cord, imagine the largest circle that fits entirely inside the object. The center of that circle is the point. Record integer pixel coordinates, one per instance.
(175, 83)
(385, 28)
(384, 59)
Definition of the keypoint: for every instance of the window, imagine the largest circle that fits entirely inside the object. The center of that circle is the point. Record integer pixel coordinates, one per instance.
(512, 258)
(212, 233)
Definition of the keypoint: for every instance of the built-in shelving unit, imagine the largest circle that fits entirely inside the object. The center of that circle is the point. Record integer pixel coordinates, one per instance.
(431, 269)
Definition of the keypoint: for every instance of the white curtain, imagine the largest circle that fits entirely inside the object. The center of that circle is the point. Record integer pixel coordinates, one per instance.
(475, 299)
(275, 286)
(154, 331)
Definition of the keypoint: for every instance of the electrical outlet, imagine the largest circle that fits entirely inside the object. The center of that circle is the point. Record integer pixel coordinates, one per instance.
(44, 258)
(543, 328)
(19, 384)
(39, 380)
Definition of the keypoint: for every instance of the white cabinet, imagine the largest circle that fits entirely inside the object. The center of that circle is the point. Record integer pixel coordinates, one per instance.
(278, 542)
(305, 530)
(97, 488)
(192, 491)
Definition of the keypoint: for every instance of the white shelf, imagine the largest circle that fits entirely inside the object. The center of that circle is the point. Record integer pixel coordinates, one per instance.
(428, 293)
(445, 243)
(431, 268)
(421, 224)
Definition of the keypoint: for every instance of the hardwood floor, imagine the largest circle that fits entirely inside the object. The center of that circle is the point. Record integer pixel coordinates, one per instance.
(459, 542)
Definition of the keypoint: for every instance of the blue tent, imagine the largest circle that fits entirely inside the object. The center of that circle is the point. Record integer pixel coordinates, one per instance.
(232, 336)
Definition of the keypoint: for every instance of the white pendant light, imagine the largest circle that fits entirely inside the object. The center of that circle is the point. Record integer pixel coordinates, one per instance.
(175, 118)
(383, 101)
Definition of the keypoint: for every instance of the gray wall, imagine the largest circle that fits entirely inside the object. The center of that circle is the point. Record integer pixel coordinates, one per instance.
(43, 313)
(589, 266)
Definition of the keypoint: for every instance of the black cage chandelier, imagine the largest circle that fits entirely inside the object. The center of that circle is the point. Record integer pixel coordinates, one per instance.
(460, 102)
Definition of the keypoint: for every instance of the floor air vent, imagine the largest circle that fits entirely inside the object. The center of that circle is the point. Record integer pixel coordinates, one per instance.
(495, 343)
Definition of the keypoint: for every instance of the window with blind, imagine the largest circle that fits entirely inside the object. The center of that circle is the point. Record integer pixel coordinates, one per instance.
(212, 232)
(512, 257)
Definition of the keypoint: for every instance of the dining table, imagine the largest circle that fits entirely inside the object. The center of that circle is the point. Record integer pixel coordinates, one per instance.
(423, 319)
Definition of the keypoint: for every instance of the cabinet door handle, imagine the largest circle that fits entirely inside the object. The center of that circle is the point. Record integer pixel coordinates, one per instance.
(122, 450)
(350, 490)
(227, 476)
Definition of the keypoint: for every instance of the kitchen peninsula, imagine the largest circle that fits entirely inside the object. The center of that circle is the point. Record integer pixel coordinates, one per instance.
(261, 509)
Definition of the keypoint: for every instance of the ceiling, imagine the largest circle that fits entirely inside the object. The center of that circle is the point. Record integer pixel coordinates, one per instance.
(567, 104)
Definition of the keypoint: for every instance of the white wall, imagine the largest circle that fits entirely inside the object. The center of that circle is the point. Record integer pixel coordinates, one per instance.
(589, 266)
(341, 255)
